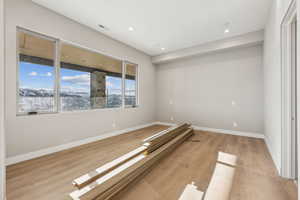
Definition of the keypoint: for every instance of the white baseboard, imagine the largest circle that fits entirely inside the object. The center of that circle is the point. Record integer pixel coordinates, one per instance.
(238, 133)
(165, 123)
(43, 152)
(223, 131)
(268, 144)
(231, 132)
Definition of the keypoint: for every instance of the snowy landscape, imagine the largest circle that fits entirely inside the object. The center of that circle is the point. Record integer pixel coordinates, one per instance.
(31, 100)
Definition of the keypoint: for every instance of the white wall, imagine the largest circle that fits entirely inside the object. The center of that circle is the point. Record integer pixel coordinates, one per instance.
(30, 133)
(2, 143)
(298, 93)
(201, 90)
(272, 79)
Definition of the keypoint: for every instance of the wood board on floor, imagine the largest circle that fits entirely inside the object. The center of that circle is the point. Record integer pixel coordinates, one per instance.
(191, 192)
(157, 142)
(116, 183)
(60, 169)
(88, 178)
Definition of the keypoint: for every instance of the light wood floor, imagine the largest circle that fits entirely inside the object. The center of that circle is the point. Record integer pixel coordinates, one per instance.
(50, 177)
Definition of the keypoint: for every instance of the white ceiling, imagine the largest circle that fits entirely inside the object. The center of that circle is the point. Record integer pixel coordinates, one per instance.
(171, 24)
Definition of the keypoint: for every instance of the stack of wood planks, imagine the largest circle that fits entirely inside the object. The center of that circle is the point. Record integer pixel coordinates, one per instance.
(95, 174)
(107, 180)
(154, 143)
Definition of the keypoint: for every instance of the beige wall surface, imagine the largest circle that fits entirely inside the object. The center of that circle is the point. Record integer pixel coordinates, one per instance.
(31, 133)
(201, 90)
(2, 143)
(272, 79)
(298, 73)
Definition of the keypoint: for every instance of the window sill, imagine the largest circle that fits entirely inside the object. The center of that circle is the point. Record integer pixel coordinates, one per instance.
(78, 111)
(128, 107)
(37, 114)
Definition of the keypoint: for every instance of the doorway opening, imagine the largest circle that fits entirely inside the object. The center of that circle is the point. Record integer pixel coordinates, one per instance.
(289, 133)
(294, 98)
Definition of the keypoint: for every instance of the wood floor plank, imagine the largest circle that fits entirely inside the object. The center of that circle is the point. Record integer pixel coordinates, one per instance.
(50, 177)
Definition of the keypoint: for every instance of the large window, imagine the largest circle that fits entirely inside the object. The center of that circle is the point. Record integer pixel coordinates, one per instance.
(36, 57)
(130, 84)
(75, 90)
(89, 80)
(113, 91)
(70, 77)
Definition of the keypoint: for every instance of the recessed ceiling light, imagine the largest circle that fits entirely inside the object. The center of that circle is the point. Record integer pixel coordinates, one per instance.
(226, 30)
(163, 48)
(131, 28)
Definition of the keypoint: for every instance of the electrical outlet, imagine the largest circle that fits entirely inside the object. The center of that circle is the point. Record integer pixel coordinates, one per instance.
(114, 125)
(171, 102)
(235, 124)
(172, 118)
(233, 103)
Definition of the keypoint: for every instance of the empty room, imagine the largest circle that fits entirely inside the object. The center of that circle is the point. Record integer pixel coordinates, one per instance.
(149, 100)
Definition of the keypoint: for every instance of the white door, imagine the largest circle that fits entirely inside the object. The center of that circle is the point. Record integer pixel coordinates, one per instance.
(294, 98)
(2, 154)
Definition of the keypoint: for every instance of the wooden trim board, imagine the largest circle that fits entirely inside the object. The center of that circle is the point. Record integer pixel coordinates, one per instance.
(221, 182)
(152, 160)
(226, 158)
(148, 139)
(157, 142)
(191, 192)
(88, 178)
(104, 190)
(106, 177)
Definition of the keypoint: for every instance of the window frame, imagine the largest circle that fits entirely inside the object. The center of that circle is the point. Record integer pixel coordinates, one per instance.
(56, 66)
(61, 42)
(57, 82)
(136, 84)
